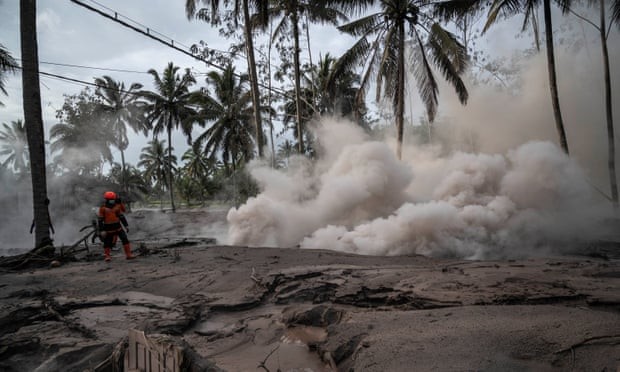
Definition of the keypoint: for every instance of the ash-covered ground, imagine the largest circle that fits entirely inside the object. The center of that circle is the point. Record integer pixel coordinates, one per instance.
(255, 309)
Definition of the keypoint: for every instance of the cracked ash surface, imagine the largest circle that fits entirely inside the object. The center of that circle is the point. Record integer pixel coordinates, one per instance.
(251, 309)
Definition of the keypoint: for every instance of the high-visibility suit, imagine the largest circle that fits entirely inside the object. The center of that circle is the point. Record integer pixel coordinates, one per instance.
(110, 218)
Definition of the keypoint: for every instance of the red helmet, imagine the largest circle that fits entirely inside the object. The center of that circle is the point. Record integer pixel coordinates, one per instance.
(109, 195)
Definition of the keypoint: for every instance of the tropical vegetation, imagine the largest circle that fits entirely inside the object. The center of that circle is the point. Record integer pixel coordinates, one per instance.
(400, 48)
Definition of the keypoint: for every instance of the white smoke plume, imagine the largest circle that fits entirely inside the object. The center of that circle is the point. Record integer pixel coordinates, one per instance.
(359, 198)
(510, 192)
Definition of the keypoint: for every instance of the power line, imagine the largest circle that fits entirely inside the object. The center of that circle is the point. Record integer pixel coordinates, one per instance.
(80, 82)
(147, 31)
(89, 67)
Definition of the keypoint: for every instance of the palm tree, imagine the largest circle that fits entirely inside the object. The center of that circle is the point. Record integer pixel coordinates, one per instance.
(228, 107)
(611, 146)
(14, 145)
(135, 183)
(121, 108)
(169, 107)
(261, 13)
(335, 93)
(507, 8)
(157, 165)
(33, 117)
(385, 54)
(290, 13)
(196, 164)
(7, 64)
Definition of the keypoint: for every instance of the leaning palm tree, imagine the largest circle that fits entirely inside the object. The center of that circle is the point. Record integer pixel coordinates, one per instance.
(14, 146)
(507, 8)
(169, 107)
(157, 164)
(290, 13)
(7, 64)
(121, 108)
(227, 105)
(397, 25)
(241, 9)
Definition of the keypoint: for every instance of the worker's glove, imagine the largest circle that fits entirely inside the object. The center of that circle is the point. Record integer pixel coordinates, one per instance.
(127, 229)
(102, 235)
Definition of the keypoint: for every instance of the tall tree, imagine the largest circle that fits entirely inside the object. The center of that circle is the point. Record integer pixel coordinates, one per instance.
(290, 13)
(169, 108)
(242, 9)
(157, 164)
(611, 146)
(14, 146)
(34, 120)
(80, 139)
(397, 25)
(121, 108)
(227, 105)
(7, 64)
(336, 94)
(507, 8)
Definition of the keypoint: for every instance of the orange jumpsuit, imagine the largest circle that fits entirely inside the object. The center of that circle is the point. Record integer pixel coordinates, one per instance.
(110, 217)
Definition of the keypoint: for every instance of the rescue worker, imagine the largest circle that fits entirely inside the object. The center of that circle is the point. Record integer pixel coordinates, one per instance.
(110, 217)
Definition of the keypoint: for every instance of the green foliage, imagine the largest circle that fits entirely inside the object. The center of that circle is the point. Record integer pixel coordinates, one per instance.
(226, 104)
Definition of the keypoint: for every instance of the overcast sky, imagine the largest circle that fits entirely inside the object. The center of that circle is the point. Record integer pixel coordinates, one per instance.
(71, 34)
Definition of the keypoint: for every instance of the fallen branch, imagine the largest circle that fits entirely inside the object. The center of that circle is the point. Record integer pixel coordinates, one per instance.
(72, 248)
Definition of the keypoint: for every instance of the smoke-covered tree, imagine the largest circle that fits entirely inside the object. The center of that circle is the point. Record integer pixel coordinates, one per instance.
(603, 31)
(504, 9)
(290, 12)
(169, 108)
(121, 108)
(384, 37)
(136, 184)
(81, 140)
(157, 163)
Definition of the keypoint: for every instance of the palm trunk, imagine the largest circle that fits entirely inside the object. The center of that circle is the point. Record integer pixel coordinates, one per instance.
(611, 150)
(170, 164)
(269, 98)
(123, 184)
(253, 78)
(555, 101)
(300, 134)
(313, 86)
(34, 120)
(400, 91)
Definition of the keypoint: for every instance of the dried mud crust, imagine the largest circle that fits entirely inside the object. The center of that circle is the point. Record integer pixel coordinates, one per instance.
(265, 308)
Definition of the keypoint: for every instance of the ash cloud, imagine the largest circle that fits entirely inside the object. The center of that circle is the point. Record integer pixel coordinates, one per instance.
(513, 194)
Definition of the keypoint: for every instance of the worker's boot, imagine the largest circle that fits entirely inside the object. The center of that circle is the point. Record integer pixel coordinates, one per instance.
(128, 254)
(106, 254)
